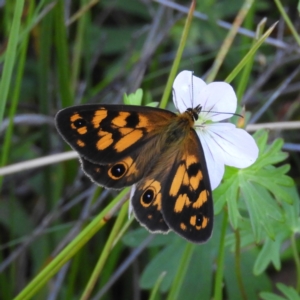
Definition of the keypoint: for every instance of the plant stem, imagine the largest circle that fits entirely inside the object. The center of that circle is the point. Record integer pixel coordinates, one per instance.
(181, 272)
(186, 29)
(220, 260)
(288, 21)
(297, 262)
(238, 264)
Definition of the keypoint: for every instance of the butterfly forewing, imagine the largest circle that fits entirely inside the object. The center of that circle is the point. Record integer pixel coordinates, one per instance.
(104, 134)
(124, 172)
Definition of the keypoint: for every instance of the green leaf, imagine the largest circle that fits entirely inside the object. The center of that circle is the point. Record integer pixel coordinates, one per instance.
(135, 237)
(274, 180)
(292, 211)
(290, 292)
(221, 194)
(271, 154)
(261, 207)
(246, 235)
(270, 296)
(153, 104)
(166, 261)
(269, 253)
(251, 283)
(233, 211)
(134, 98)
(199, 278)
(259, 189)
(261, 138)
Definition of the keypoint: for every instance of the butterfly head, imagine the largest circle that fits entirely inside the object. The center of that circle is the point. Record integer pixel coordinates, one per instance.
(194, 112)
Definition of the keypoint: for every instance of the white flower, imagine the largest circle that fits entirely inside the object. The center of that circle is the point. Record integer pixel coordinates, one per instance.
(223, 143)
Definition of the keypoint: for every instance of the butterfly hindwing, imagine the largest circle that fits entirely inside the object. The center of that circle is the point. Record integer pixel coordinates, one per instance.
(124, 172)
(188, 209)
(180, 193)
(147, 204)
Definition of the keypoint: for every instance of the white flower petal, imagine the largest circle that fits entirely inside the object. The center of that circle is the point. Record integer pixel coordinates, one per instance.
(186, 89)
(214, 166)
(234, 146)
(220, 98)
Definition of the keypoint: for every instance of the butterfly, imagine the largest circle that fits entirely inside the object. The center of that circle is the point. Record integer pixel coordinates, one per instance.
(153, 149)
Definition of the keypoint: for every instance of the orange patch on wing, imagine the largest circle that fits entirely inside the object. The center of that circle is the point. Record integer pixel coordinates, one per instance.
(201, 199)
(191, 159)
(132, 169)
(99, 116)
(82, 130)
(80, 143)
(193, 220)
(75, 117)
(155, 184)
(128, 160)
(128, 140)
(204, 222)
(120, 120)
(182, 201)
(195, 180)
(143, 122)
(147, 184)
(125, 131)
(186, 180)
(157, 201)
(105, 140)
(177, 180)
(183, 226)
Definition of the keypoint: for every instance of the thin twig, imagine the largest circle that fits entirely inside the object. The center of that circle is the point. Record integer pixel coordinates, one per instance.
(274, 126)
(274, 96)
(38, 162)
(123, 267)
(56, 158)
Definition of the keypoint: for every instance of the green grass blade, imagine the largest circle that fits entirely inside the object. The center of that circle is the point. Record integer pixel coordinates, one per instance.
(181, 271)
(106, 251)
(63, 64)
(10, 57)
(167, 91)
(15, 96)
(249, 55)
(68, 252)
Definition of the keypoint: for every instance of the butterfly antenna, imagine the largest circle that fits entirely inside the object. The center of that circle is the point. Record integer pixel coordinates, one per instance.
(192, 84)
(223, 113)
(175, 100)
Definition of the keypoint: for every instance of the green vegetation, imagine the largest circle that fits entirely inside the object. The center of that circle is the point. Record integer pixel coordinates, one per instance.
(63, 237)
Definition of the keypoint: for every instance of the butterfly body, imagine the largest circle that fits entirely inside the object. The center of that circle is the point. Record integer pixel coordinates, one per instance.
(156, 150)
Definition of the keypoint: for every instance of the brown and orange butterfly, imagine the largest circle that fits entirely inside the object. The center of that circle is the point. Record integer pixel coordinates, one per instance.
(155, 149)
